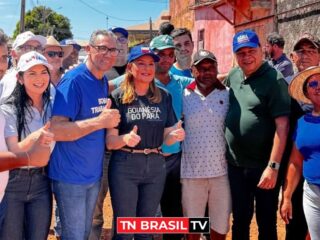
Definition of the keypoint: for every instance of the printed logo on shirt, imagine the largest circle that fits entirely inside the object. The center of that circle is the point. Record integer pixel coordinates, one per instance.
(141, 113)
(102, 103)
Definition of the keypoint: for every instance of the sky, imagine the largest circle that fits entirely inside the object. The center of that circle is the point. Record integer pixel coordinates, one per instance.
(87, 15)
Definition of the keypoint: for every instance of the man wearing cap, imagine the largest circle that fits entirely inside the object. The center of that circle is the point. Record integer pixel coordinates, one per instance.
(24, 42)
(73, 58)
(306, 52)
(204, 174)
(81, 114)
(183, 43)
(119, 67)
(256, 132)
(278, 59)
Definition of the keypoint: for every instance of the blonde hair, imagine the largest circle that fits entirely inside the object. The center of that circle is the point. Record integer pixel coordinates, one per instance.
(129, 94)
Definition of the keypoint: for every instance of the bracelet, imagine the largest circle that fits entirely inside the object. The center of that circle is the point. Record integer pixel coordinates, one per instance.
(28, 160)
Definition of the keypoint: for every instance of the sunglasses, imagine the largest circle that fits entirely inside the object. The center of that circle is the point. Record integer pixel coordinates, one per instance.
(313, 84)
(52, 54)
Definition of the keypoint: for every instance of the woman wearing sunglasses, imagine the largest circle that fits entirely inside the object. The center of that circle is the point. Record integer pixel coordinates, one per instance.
(137, 168)
(28, 193)
(55, 53)
(305, 155)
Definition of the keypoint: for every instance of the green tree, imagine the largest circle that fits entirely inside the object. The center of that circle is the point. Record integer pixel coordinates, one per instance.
(44, 21)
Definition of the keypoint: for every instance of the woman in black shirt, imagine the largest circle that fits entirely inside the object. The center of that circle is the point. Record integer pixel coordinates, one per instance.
(137, 168)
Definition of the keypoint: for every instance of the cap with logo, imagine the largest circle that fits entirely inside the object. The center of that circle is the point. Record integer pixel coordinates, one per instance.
(30, 59)
(121, 30)
(245, 38)
(161, 42)
(24, 37)
(71, 42)
(139, 51)
(202, 55)
(307, 37)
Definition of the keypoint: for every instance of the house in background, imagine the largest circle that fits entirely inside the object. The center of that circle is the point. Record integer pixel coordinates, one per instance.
(214, 22)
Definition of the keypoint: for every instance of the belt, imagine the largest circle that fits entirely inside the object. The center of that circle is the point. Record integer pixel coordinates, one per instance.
(145, 151)
(30, 171)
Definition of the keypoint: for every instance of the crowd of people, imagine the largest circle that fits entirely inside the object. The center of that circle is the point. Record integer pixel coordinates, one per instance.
(164, 130)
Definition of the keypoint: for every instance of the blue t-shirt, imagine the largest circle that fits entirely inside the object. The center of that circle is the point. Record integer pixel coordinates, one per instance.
(307, 140)
(183, 73)
(175, 87)
(79, 96)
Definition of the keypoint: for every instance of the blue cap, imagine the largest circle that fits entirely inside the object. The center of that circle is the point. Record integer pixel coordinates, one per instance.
(139, 51)
(245, 38)
(121, 30)
(71, 42)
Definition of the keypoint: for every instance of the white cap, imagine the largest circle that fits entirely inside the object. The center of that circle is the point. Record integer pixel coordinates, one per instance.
(22, 38)
(30, 59)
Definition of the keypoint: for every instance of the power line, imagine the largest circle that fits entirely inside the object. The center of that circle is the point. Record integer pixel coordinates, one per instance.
(109, 16)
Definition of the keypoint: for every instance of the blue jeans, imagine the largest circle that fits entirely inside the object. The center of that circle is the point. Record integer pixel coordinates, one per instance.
(3, 210)
(311, 207)
(136, 183)
(29, 205)
(244, 191)
(76, 204)
(98, 220)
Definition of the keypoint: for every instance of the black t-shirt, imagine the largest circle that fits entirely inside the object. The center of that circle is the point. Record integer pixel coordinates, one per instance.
(150, 118)
(121, 69)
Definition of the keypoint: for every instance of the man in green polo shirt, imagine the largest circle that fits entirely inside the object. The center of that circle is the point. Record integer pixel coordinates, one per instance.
(256, 133)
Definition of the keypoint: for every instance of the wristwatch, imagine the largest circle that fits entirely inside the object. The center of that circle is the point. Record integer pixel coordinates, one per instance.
(274, 165)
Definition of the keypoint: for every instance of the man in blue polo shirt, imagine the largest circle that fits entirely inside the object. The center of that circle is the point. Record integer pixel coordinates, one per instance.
(81, 114)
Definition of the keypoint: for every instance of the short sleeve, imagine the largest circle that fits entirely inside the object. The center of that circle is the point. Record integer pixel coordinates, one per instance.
(171, 118)
(11, 121)
(279, 101)
(67, 99)
(186, 81)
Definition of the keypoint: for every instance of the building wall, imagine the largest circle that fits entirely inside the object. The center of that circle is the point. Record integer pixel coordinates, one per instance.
(294, 19)
(181, 15)
(218, 34)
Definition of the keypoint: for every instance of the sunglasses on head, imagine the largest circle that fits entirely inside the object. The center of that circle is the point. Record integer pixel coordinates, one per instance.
(52, 54)
(313, 84)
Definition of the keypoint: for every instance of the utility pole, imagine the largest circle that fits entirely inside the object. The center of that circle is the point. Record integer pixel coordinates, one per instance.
(150, 22)
(23, 9)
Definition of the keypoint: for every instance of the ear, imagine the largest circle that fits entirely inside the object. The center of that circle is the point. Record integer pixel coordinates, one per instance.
(129, 67)
(195, 72)
(20, 79)
(87, 49)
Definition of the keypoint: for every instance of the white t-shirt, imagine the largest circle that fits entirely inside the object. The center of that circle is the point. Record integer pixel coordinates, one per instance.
(204, 147)
(3, 148)
(7, 84)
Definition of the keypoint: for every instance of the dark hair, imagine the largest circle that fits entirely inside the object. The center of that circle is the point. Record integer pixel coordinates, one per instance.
(22, 103)
(3, 38)
(165, 28)
(181, 31)
(276, 39)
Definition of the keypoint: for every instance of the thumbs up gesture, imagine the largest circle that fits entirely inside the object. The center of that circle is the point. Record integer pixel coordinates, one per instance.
(178, 133)
(132, 139)
(109, 118)
(45, 136)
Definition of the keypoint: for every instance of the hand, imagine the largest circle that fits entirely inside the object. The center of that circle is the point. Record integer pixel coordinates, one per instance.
(178, 134)
(40, 152)
(132, 139)
(268, 179)
(45, 136)
(109, 118)
(286, 210)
